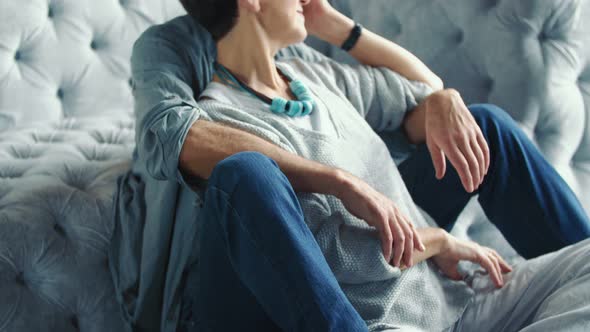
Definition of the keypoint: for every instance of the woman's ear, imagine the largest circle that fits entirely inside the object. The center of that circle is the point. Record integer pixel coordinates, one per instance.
(250, 5)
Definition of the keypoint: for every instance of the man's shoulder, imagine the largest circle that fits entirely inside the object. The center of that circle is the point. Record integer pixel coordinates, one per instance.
(182, 25)
(182, 31)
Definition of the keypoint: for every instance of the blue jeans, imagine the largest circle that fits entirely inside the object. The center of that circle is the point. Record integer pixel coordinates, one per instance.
(259, 266)
(522, 194)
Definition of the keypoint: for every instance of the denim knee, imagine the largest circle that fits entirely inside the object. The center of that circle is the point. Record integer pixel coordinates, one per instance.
(493, 113)
(244, 168)
(491, 117)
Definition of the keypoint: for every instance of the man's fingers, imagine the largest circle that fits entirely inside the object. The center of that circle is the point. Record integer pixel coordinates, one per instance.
(505, 267)
(483, 144)
(460, 163)
(409, 243)
(480, 161)
(498, 269)
(438, 160)
(489, 266)
(418, 244)
(386, 240)
(398, 241)
(465, 147)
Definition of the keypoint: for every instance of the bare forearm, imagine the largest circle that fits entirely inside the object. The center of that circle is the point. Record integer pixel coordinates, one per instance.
(434, 239)
(208, 142)
(414, 124)
(374, 50)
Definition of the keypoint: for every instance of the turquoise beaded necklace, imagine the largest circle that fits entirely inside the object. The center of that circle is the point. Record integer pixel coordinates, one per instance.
(301, 107)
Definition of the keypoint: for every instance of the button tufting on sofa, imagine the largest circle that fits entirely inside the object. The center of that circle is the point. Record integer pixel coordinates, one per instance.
(488, 84)
(542, 36)
(12, 171)
(17, 55)
(74, 322)
(93, 45)
(396, 28)
(25, 151)
(4, 190)
(105, 263)
(459, 36)
(491, 4)
(59, 229)
(50, 12)
(60, 93)
(20, 279)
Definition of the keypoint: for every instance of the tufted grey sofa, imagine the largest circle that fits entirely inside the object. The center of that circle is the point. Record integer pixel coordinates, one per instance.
(67, 125)
(66, 133)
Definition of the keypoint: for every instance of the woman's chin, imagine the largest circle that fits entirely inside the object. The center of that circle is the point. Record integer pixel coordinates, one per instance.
(301, 35)
(294, 38)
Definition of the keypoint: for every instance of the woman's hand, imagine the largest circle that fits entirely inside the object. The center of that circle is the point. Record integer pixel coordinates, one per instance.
(451, 131)
(455, 250)
(366, 203)
(316, 14)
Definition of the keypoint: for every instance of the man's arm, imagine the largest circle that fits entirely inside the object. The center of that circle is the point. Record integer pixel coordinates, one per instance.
(208, 142)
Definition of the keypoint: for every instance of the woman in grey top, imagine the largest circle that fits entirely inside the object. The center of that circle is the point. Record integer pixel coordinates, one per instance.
(314, 229)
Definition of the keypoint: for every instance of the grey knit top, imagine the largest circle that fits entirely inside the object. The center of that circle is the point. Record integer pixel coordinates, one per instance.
(357, 101)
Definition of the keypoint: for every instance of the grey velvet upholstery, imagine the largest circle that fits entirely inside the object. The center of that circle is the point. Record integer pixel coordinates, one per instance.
(66, 133)
(67, 126)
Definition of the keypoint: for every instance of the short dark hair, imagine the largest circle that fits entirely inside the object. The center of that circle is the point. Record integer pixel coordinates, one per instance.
(217, 16)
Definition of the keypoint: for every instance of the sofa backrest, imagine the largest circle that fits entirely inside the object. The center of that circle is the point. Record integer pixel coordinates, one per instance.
(65, 58)
(581, 160)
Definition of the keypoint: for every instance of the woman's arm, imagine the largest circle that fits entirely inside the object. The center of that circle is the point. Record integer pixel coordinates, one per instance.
(447, 251)
(443, 121)
(370, 49)
(434, 240)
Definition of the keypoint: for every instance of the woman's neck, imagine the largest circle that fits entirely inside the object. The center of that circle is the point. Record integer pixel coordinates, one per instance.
(249, 53)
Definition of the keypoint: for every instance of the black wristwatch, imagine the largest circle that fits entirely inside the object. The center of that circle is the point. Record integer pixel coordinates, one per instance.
(355, 33)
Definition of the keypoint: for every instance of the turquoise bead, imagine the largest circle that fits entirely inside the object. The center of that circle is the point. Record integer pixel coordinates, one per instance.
(295, 108)
(297, 86)
(278, 105)
(307, 107)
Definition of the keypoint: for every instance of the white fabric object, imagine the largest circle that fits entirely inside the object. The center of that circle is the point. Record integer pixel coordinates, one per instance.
(545, 294)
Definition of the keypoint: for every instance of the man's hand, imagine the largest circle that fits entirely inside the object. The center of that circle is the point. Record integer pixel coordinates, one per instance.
(449, 129)
(366, 203)
(455, 250)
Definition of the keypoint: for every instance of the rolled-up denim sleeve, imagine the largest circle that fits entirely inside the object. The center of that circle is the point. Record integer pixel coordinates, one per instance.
(166, 75)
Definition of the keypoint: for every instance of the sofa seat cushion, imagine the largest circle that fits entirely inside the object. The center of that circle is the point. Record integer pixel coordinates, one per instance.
(56, 188)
